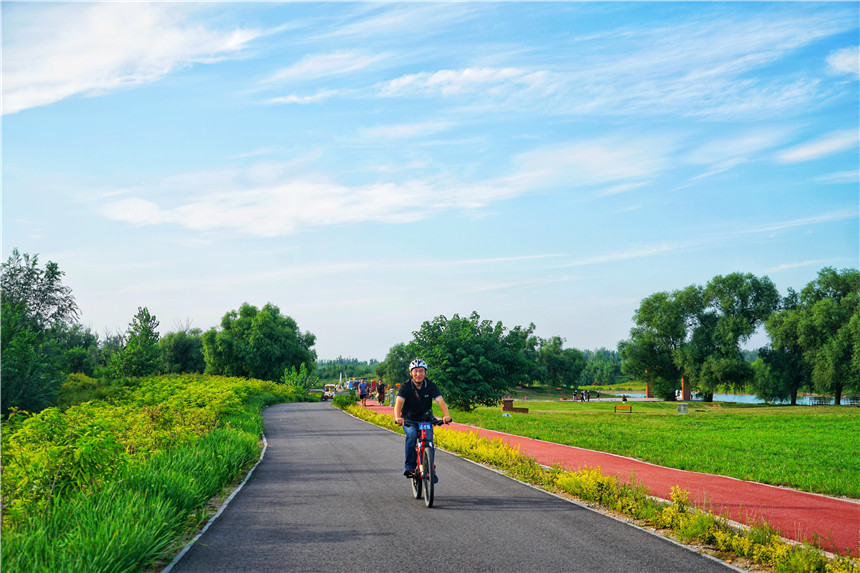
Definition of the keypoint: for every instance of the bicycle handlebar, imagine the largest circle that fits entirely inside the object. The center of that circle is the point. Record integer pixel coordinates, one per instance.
(434, 421)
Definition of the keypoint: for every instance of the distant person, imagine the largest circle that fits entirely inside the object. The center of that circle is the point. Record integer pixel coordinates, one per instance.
(624, 397)
(362, 392)
(380, 392)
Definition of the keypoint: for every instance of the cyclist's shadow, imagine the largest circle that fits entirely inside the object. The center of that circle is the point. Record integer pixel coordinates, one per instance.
(472, 503)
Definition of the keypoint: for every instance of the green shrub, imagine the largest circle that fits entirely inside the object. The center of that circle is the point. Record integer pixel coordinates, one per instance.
(343, 401)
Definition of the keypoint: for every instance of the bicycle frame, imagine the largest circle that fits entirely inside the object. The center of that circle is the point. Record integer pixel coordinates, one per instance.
(422, 481)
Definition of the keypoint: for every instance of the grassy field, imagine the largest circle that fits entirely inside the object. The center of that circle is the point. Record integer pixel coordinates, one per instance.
(811, 448)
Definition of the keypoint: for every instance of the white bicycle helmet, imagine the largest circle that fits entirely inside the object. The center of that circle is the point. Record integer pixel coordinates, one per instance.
(417, 363)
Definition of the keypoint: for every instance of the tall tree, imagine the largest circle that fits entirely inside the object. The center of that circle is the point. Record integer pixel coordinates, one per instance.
(739, 303)
(257, 343)
(395, 368)
(182, 351)
(474, 362)
(824, 330)
(782, 371)
(141, 355)
(653, 351)
(560, 366)
(34, 300)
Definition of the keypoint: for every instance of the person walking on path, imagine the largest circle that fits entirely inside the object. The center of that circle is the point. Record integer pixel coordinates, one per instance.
(362, 392)
(380, 393)
(414, 403)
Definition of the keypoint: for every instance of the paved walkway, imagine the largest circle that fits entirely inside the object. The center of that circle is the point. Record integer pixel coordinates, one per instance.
(798, 515)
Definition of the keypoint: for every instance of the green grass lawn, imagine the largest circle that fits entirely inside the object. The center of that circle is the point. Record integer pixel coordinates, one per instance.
(812, 448)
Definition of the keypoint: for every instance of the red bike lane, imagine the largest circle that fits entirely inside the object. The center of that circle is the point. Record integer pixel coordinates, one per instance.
(798, 515)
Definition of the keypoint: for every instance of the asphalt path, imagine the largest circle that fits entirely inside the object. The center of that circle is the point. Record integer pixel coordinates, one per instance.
(329, 495)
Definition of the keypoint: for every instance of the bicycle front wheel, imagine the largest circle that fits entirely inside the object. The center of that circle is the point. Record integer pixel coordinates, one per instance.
(428, 474)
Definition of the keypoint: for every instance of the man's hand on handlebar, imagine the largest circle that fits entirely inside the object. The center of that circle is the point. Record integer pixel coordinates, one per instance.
(398, 421)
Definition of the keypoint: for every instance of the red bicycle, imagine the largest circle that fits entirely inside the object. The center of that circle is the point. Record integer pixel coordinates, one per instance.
(424, 475)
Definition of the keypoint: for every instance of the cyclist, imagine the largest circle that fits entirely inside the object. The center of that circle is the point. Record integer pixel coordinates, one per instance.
(415, 403)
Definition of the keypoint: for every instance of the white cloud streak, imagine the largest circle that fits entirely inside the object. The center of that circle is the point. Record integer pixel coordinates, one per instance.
(828, 145)
(316, 66)
(491, 81)
(73, 49)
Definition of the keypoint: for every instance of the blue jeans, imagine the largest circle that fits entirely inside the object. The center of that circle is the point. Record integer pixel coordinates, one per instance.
(411, 438)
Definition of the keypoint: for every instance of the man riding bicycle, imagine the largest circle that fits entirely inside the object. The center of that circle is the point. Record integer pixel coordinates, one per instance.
(415, 402)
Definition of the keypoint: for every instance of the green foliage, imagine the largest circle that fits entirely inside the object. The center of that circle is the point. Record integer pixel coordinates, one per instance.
(696, 333)
(34, 300)
(30, 363)
(257, 343)
(602, 367)
(39, 293)
(342, 401)
(141, 356)
(821, 330)
(299, 381)
(182, 352)
(473, 361)
(558, 366)
(395, 368)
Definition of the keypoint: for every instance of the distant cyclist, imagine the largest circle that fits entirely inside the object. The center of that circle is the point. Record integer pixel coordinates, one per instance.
(415, 402)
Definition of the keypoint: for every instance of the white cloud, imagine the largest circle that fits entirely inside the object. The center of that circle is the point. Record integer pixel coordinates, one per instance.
(318, 97)
(835, 142)
(801, 264)
(312, 67)
(490, 81)
(627, 164)
(845, 61)
(71, 49)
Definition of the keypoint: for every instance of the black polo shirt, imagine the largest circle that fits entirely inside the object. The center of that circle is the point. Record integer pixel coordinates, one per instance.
(415, 406)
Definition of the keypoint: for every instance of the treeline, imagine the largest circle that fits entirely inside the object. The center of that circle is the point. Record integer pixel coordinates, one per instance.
(690, 339)
(349, 367)
(48, 358)
(686, 340)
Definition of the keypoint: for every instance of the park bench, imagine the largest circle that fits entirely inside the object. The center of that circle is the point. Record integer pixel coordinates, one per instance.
(508, 406)
(624, 408)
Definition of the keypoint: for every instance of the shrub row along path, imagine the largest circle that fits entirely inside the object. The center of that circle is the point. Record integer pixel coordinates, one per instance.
(800, 516)
(329, 495)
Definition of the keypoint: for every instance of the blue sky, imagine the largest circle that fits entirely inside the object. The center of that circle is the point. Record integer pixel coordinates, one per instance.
(367, 167)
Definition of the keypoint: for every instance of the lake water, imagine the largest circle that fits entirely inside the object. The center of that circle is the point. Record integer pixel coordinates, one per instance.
(741, 398)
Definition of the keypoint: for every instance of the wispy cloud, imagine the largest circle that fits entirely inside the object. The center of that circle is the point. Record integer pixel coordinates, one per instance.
(798, 265)
(828, 145)
(316, 66)
(634, 253)
(490, 81)
(318, 97)
(78, 48)
(701, 69)
(623, 164)
(839, 177)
